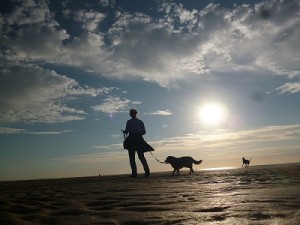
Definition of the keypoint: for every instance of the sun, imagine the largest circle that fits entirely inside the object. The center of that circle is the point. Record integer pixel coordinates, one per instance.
(213, 113)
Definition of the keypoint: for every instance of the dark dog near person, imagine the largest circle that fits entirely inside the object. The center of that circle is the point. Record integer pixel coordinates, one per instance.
(179, 163)
(246, 162)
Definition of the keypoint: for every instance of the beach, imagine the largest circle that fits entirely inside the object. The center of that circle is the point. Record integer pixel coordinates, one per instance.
(255, 195)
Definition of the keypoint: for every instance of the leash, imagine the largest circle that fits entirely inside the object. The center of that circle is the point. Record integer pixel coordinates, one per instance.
(157, 159)
(124, 135)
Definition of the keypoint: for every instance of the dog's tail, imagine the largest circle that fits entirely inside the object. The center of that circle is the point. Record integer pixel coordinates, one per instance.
(197, 162)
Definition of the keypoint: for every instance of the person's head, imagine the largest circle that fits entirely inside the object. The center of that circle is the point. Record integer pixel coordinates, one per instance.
(133, 113)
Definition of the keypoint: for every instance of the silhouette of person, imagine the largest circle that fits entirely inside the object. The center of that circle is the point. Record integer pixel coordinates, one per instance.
(134, 142)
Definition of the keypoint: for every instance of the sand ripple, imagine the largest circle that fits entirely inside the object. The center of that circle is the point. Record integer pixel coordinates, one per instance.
(257, 195)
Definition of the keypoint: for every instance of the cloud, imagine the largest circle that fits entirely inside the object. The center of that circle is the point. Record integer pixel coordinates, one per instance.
(46, 45)
(113, 104)
(9, 130)
(225, 139)
(211, 144)
(176, 44)
(89, 20)
(114, 136)
(27, 20)
(161, 113)
(48, 132)
(212, 40)
(289, 87)
(110, 147)
(33, 94)
(28, 12)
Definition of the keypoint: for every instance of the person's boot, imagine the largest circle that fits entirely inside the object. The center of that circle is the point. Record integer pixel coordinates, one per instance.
(147, 173)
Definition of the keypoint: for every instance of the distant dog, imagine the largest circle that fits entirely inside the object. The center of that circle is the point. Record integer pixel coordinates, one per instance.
(246, 162)
(179, 163)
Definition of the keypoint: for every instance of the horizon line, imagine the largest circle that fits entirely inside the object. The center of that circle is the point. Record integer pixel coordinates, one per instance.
(157, 172)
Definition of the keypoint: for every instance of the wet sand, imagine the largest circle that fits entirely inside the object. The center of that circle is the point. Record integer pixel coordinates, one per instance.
(257, 195)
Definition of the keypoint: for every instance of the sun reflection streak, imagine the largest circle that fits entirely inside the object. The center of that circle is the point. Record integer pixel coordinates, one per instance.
(219, 168)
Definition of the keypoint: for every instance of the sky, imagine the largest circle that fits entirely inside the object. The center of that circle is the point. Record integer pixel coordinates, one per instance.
(215, 80)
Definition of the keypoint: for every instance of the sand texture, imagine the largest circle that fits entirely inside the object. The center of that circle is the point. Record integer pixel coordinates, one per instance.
(257, 195)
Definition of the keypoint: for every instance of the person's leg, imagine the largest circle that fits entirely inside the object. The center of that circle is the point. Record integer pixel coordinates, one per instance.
(144, 162)
(131, 155)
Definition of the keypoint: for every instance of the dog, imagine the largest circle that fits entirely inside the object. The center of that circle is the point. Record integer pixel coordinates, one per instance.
(246, 162)
(179, 163)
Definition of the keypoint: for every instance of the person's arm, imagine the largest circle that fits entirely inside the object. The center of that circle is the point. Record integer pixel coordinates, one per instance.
(143, 128)
(126, 129)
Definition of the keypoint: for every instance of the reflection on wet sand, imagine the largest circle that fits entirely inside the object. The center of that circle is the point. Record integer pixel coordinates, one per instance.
(257, 195)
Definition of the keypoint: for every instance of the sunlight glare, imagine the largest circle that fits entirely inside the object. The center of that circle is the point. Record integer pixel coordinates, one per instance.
(213, 113)
(219, 168)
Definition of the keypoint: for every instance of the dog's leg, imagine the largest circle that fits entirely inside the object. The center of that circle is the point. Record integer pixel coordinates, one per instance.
(173, 172)
(191, 170)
